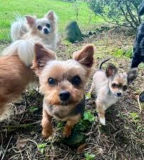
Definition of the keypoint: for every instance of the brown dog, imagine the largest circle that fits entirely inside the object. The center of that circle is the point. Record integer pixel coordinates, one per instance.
(14, 77)
(63, 85)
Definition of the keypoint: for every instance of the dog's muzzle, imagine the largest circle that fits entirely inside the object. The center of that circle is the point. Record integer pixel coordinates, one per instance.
(46, 31)
(64, 95)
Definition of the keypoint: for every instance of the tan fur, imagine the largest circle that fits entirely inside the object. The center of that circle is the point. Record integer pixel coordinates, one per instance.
(107, 94)
(63, 73)
(46, 124)
(14, 77)
(69, 125)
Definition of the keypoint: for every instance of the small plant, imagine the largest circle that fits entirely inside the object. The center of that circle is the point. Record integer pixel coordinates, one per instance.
(134, 117)
(122, 52)
(88, 96)
(118, 52)
(89, 116)
(121, 115)
(140, 128)
(141, 65)
(59, 125)
(33, 109)
(41, 147)
(89, 156)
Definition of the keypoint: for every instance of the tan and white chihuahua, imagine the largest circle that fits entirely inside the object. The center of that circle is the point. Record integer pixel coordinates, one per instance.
(109, 87)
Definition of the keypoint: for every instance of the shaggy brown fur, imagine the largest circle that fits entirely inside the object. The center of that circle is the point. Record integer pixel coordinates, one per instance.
(63, 85)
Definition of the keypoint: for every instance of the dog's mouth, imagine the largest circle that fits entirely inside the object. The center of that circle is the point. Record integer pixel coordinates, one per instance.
(69, 102)
(64, 103)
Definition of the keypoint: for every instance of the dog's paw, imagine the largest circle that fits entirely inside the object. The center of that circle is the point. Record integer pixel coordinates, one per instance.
(102, 120)
(66, 132)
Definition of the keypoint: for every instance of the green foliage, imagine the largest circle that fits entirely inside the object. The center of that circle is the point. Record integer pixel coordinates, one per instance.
(128, 53)
(141, 65)
(118, 52)
(89, 116)
(122, 52)
(59, 125)
(118, 11)
(32, 109)
(76, 139)
(42, 147)
(88, 96)
(89, 156)
(134, 117)
(140, 128)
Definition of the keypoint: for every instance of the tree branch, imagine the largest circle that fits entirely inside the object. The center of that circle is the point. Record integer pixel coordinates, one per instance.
(131, 15)
(127, 18)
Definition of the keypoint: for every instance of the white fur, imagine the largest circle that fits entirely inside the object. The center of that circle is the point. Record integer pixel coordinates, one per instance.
(21, 30)
(23, 48)
(104, 96)
(102, 121)
(18, 29)
(101, 87)
(24, 38)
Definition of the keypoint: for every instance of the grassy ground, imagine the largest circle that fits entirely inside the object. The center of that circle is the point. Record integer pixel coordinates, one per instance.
(121, 139)
(66, 12)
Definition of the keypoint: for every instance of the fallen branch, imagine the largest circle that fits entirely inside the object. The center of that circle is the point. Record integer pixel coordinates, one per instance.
(12, 128)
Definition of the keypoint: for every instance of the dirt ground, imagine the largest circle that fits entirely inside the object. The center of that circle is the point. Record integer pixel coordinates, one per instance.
(121, 139)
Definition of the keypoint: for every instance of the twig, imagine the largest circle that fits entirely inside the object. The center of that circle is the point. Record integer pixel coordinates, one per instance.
(139, 103)
(12, 128)
(6, 148)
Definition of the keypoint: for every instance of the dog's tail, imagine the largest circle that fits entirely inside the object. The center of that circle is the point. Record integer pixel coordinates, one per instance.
(23, 48)
(100, 66)
(18, 28)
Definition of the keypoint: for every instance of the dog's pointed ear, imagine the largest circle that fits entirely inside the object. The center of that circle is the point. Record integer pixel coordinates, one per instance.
(41, 57)
(132, 74)
(30, 20)
(85, 56)
(51, 16)
(111, 70)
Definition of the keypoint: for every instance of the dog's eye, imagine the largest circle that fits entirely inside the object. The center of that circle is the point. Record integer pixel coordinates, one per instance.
(52, 81)
(47, 25)
(76, 80)
(114, 85)
(39, 27)
(124, 88)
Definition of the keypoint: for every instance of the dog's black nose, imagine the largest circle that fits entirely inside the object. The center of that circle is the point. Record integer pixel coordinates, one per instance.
(46, 31)
(119, 94)
(64, 95)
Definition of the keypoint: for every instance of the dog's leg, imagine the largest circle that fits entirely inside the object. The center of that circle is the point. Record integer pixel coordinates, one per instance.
(101, 112)
(136, 61)
(69, 125)
(91, 89)
(46, 125)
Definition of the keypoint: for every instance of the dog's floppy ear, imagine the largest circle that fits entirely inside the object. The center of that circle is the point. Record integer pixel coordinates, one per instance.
(132, 74)
(41, 57)
(30, 20)
(85, 56)
(111, 70)
(51, 16)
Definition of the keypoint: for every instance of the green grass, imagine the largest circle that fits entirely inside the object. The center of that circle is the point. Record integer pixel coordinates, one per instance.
(66, 12)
